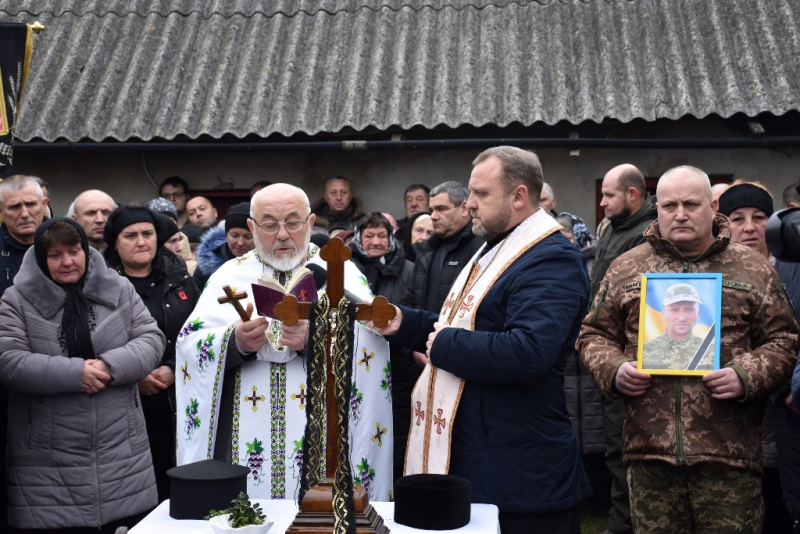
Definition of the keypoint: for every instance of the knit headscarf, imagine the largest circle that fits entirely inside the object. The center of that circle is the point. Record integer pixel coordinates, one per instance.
(745, 196)
(78, 317)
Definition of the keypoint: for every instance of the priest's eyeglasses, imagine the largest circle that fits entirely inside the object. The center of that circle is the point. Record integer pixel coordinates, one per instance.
(273, 227)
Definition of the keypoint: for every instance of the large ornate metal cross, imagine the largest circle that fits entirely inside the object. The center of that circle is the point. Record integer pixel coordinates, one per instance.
(289, 310)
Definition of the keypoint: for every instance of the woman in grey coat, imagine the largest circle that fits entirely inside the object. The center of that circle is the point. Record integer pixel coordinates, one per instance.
(75, 339)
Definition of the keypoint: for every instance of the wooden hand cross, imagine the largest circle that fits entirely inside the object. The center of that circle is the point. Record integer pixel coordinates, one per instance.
(234, 298)
(290, 311)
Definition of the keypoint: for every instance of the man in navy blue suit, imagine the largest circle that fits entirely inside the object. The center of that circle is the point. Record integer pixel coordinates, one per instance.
(490, 403)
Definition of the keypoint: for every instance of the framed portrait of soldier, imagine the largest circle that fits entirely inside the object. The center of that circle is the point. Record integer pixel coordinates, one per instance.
(679, 323)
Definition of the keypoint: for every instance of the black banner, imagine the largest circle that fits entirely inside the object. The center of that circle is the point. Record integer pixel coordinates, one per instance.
(15, 50)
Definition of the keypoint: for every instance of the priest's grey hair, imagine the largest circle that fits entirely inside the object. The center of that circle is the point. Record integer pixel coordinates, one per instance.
(272, 189)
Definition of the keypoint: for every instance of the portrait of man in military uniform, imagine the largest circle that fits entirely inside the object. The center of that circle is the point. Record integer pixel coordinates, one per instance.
(678, 348)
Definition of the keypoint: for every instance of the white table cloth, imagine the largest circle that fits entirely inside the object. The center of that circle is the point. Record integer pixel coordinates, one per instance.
(483, 520)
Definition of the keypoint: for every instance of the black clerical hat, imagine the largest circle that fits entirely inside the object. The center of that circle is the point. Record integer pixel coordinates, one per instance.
(432, 502)
(198, 488)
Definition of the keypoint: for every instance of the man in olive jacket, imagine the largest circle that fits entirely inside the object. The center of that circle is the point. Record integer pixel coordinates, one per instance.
(630, 211)
(693, 444)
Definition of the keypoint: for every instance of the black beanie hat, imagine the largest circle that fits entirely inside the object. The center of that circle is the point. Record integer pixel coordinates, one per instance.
(193, 233)
(167, 229)
(125, 216)
(745, 196)
(237, 216)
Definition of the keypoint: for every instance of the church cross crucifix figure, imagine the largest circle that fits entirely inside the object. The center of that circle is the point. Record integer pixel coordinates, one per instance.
(185, 370)
(449, 303)
(439, 421)
(367, 357)
(233, 298)
(255, 398)
(380, 312)
(419, 413)
(301, 396)
(466, 306)
(379, 434)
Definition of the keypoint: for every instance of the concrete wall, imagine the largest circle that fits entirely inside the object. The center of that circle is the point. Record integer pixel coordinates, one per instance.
(379, 178)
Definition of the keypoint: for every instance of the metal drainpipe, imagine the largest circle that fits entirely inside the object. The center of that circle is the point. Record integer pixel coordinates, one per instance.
(423, 144)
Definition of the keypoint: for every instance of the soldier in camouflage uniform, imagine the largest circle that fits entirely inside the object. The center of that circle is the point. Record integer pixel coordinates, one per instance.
(693, 444)
(677, 346)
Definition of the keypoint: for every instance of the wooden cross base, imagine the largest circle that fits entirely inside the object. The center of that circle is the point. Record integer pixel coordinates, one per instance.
(316, 516)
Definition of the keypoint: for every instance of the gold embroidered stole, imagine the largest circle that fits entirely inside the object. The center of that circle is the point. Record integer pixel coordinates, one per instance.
(434, 401)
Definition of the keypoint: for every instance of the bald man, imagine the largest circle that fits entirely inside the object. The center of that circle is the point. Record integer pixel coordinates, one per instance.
(628, 207)
(91, 211)
(717, 190)
(684, 473)
(201, 212)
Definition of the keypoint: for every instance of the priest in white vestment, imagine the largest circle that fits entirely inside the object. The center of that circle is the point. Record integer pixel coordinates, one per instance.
(242, 386)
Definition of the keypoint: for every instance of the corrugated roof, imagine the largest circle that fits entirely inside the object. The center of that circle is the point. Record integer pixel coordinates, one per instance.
(125, 70)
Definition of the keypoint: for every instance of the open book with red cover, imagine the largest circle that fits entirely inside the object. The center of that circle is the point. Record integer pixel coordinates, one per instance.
(267, 292)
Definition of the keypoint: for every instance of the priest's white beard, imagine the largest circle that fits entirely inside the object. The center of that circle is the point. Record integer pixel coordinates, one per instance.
(286, 262)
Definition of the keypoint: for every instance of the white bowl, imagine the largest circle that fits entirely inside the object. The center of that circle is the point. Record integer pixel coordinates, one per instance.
(220, 525)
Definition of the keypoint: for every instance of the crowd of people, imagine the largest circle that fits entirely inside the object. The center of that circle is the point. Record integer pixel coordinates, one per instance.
(522, 319)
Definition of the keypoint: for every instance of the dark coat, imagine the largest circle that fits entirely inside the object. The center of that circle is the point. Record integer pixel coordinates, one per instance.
(212, 253)
(457, 253)
(11, 253)
(621, 236)
(512, 437)
(585, 405)
(348, 221)
(392, 280)
(170, 301)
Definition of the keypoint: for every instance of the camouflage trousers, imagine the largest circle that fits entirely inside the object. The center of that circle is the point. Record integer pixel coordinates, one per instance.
(710, 498)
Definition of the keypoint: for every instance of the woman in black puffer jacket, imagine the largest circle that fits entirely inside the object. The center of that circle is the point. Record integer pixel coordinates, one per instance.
(389, 275)
(135, 238)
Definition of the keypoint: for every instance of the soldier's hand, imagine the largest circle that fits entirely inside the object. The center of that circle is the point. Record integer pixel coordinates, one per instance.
(630, 381)
(295, 336)
(724, 384)
(251, 335)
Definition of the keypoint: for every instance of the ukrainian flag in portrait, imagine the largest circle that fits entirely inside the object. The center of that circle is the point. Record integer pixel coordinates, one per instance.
(654, 324)
(708, 287)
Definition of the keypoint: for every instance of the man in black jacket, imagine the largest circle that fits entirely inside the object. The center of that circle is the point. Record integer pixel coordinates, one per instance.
(22, 208)
(441, 258)
(630, 211)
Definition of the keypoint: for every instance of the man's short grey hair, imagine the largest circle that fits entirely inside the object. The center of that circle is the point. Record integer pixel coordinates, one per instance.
(549, 190)
(686, 169)
(457, 192)
(18, 182)
(519, 167)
